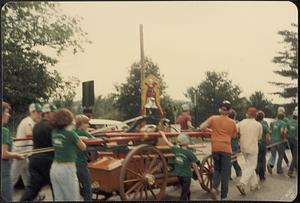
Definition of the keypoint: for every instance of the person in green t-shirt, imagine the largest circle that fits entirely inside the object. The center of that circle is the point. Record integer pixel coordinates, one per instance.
(65, 142)
(262, 150)
(7, 155)
(278, 133)
(292, 129)
(83, 174)
(184, 161)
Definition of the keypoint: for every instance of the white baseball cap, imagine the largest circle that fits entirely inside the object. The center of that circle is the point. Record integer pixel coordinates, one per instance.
(49, 108)
(35, 107)
(295, 113)
(281, 109)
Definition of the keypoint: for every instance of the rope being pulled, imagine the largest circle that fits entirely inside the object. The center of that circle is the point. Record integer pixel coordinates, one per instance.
(36, 151)
(235, 155)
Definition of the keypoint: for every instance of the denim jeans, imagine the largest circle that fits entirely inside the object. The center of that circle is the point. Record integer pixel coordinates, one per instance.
(6, 187)
(294, 149)
(261, 160)
(249, 175)
(185, 183)
(84, 178)
(222, 162)
(280, 149)
(64, 181)
(235, 164)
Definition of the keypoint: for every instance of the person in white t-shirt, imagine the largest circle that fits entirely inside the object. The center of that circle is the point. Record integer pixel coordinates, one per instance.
(24, 130)
(250, 132)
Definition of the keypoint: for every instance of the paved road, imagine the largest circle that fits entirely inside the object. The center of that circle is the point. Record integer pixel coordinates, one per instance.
(275, 188)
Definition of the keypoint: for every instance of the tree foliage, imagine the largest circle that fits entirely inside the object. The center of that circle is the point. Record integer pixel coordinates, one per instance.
(128, 96)
(212, 91)
(65, 93)
(27, 29)
(287, 59)
(105, 108)
(258, 100)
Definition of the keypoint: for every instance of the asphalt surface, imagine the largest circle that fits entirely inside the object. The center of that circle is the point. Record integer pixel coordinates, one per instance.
(275, 188)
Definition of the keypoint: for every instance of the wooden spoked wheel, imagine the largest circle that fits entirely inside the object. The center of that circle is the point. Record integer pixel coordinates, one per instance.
(143, 174)
(206, 172)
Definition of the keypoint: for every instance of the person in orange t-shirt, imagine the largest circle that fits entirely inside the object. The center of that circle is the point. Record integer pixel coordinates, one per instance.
(223, 129)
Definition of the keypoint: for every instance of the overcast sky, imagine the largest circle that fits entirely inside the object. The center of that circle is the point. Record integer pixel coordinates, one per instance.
(185, 39)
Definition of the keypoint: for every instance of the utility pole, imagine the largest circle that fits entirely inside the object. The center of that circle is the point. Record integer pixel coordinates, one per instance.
(142, 60)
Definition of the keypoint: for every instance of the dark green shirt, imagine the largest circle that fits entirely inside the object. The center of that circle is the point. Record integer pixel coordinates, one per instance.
(292, 128)
(6, 138)
(276, 127)
(286, 120)
(82, 155)
(265, 128)
(183, 161)
(65, 145)
(235, 140)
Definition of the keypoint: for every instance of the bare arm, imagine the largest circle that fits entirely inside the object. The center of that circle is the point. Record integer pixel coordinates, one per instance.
(204, 125)
(195, 167)
(9, 155)
(189, 123)
(86, 138)
(166, 139)
(81, 145)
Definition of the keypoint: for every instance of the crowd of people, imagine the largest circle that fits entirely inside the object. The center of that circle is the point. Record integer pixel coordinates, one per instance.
(65, 168)
(250, 137)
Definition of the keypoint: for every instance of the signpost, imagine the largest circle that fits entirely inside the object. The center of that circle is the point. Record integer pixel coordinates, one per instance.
(88, 97)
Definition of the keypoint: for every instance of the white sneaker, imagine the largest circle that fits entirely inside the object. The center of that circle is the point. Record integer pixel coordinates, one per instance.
(226, 199)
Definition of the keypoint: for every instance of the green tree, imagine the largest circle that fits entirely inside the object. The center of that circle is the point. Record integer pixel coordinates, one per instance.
(287, 59)
(105, 108)
(27, 29)
(128, 96)
(65, 93)
(210, 93)
(170, 107)
(258, 100)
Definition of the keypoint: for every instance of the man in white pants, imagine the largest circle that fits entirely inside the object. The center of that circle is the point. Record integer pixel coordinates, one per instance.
(20, 167)
(250, 132)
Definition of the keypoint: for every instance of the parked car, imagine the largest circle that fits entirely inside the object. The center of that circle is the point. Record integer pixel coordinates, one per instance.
(104, 124)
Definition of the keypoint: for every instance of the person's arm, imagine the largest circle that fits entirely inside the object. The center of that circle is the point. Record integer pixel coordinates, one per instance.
(195, 167)
(189, 123)
(268, 136)
(204, 126)
(10, 155)
(77, 140)
(85, 136)
(283, 131)
(80, 145)
(166, 139)
(260, 131)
